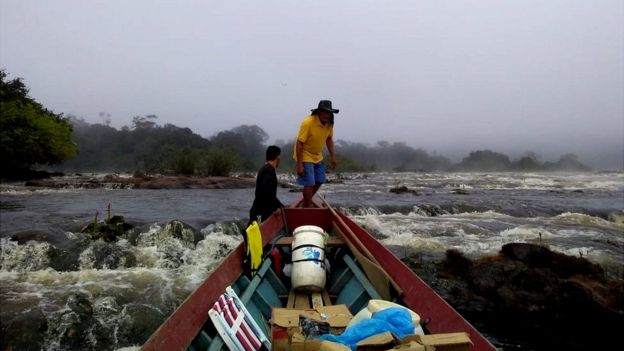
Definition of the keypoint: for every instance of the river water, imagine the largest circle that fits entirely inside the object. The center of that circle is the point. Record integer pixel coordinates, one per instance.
(59, 290)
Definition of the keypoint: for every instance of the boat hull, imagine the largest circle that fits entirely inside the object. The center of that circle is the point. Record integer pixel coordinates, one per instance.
(180, 329)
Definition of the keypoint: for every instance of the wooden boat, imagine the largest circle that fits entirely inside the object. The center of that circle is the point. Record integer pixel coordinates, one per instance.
(365, 270)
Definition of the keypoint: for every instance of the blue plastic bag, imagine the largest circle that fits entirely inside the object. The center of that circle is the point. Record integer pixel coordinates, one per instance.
(399, 318)
(395, 320)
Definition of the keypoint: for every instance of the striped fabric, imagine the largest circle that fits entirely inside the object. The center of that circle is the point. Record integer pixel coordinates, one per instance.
(236, 322)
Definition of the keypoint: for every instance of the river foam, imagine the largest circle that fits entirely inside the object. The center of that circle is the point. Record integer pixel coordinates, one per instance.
(117, 294)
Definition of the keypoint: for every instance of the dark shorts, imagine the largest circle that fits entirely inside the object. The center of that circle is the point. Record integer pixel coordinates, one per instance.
(314, 173)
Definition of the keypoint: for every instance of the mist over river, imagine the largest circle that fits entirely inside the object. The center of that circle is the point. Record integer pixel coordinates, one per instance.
(54, 279)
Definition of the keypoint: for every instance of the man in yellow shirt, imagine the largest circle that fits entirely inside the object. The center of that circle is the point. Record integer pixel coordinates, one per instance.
(315, 131)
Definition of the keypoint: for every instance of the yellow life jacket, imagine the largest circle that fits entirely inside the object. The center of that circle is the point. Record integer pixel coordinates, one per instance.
(254, 246)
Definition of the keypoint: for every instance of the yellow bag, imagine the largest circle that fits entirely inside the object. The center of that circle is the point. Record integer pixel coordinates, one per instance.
(254, 246)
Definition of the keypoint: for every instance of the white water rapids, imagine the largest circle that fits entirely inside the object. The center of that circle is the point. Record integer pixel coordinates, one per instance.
(48, 269)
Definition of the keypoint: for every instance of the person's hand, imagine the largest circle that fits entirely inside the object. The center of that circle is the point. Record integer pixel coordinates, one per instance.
(300, 169)
(332, 164)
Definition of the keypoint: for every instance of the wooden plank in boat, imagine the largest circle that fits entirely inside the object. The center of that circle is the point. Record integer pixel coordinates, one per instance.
(291, 300)
(317, 299)
(302, 301)
(326, 299)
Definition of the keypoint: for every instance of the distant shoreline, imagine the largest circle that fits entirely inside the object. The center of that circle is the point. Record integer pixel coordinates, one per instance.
(115, 181)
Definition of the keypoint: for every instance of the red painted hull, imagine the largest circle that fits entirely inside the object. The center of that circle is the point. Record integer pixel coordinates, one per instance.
(177, 332)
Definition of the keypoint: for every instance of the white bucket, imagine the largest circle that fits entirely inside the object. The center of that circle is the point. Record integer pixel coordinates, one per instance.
(308, 256)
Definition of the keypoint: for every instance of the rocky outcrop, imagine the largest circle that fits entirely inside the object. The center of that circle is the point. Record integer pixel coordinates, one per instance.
(402, 190)
(109, 230)
(102, 255)
(532, 298)
(24, 332)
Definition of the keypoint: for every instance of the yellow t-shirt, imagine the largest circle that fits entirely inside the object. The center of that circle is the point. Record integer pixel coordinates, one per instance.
(313, 134)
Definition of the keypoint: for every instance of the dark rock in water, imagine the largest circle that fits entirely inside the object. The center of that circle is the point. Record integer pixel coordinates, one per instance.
(181, 231)
(533, 297)
(616, 217)
(78, 328)
(432, 210)
(109, 230)
(63, 260)
(138, 324)
(106, 255)
(27, 235)
(73, 324)
(540, 256)
(24, 332)
(456, 264)
(80, 304)
(402, 190)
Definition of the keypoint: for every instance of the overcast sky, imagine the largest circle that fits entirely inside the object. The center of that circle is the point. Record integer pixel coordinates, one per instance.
(447, 76)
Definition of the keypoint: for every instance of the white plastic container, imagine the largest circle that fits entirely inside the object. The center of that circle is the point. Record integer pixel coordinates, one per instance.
(308, 256)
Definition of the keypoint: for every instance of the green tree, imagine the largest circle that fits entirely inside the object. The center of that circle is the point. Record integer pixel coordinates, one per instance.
(246, 141)
(217, 162)
(484, 161)
(571, 163)
(30, 135)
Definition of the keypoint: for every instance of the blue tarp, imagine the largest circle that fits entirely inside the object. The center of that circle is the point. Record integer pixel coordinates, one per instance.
(396, 320)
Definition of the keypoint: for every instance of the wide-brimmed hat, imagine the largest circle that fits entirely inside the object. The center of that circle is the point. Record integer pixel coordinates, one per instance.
(325, 105)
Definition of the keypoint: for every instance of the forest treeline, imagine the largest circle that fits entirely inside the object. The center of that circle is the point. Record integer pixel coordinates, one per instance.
(34, 138)
(148, 147)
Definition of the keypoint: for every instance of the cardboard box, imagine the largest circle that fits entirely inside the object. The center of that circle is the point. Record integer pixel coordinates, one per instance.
(442, 342)
(285, 323)
(433, 342)
(300, 343)
(378, 342)
(412, 346)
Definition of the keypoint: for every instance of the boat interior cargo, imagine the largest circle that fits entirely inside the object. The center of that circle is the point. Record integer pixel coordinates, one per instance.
(315, 280)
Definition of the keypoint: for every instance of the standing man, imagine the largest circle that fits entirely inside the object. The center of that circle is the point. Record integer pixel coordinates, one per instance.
(266, 201)
(315, 131)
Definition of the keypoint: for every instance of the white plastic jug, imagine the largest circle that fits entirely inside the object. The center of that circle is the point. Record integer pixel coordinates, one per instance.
(308, 256)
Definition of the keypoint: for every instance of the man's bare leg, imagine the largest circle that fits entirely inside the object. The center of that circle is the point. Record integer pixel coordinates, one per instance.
(308, 193)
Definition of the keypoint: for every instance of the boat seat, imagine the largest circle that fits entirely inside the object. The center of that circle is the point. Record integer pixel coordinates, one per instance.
(307, 300)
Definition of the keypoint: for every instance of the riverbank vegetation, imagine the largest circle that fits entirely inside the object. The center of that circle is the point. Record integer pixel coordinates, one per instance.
(30, 134)
(34, 138)
(148, 147)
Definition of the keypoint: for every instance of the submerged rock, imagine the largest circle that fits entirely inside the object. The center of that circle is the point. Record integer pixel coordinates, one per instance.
(24, 332)
(402, 190)
(137, 323)
(460, 191)
(28, 235)
(102, 255)
(181, 231)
